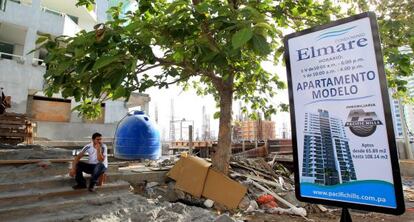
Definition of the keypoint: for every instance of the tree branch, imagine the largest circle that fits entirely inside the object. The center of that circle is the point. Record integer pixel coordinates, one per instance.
(217, 81)
(233, 3)
(178, 80)
(206, 31)
(148, 68)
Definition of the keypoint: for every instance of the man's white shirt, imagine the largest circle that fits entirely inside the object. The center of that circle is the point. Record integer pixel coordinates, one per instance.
(92, 157)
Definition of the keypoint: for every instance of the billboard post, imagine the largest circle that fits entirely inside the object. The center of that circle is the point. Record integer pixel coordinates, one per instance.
(342, 133)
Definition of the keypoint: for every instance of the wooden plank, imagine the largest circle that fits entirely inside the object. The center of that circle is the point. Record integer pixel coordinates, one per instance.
(12, 118)
(14, 134)
(258, 179)
(14, 122)
(12, 141)
(11, 126)
(8, 130)
(3, 162)
(15, 114)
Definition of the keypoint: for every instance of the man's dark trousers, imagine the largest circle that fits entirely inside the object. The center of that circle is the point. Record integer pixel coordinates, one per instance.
(96, 170)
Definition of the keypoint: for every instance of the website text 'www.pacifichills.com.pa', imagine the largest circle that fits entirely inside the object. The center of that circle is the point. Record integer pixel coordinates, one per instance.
(350, 196)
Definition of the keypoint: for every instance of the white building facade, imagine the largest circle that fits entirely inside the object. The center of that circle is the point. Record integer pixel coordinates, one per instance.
(21, 72)
(407, 111)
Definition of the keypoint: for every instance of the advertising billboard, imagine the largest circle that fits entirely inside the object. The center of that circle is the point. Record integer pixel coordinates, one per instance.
(343, 139)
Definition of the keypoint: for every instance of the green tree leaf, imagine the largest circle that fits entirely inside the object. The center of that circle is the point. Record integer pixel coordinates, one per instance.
(119, 92)
(104, 61)
(260, 45)
(241, 37)
(41, 39)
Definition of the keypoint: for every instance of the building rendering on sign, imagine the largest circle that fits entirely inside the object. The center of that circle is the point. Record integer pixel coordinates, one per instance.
(21, 72)
(327, 159)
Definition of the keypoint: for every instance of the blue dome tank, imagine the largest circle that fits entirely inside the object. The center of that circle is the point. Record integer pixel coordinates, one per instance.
(137, 138)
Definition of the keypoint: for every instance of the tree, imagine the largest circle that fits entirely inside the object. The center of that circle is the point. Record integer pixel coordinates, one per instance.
(215, 46)
(396, 27)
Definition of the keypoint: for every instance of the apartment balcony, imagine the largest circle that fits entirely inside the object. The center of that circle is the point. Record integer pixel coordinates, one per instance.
(56, 23)
(46, 21)
(69, 7)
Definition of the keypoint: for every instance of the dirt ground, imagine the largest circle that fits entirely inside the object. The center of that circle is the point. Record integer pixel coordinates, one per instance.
(408, 216)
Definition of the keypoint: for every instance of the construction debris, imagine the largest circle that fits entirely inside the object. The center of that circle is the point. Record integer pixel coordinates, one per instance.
(270, 187)
(256, 152)
(270, 184)
(193, 175)
(408, 191)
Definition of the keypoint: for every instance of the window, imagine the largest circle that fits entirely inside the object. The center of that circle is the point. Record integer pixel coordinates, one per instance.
(2, 5)
(6, 48)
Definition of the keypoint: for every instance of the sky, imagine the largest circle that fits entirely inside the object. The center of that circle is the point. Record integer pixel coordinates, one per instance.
(188, 105)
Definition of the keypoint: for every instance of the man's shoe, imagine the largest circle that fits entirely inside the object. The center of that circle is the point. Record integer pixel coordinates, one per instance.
(77, 187)
(92, 189)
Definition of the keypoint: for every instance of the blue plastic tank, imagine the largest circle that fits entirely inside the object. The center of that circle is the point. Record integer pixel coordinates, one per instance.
(137, 138)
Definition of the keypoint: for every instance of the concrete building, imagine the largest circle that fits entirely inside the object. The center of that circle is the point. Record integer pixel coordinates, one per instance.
(409, 108)
(21, 74)
(253, 130)
(407, 111)
(327, 158)
(396, 117)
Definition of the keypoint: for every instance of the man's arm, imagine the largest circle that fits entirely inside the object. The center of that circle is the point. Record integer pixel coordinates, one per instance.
(77, 158)
(100, 155)
(75, 161)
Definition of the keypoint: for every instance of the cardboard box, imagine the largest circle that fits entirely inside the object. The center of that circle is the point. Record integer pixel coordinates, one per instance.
(194, 175)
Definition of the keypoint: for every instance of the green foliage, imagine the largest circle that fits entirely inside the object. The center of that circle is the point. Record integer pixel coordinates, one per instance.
(241, 37)
(396, 24)
(215, 46)
(87, 3)
(89, 110)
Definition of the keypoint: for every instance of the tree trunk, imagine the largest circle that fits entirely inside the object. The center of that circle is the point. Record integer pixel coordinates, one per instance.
(221, 157)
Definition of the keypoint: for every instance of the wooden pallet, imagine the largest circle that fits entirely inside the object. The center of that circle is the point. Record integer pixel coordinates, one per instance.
(15, 128)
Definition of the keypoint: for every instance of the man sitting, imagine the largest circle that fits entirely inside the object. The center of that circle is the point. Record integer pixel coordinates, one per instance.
(96, 166)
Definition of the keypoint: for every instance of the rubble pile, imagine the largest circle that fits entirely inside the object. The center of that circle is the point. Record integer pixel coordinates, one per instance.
(408, 187)
(270, 187)
(257, 186)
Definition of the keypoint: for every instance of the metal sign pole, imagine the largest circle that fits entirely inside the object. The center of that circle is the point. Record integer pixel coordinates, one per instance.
(345, 216)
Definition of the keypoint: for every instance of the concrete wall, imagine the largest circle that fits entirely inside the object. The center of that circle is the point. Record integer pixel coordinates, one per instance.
(17, 79)
(73, 131)
(18, 49)
(115, 111)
